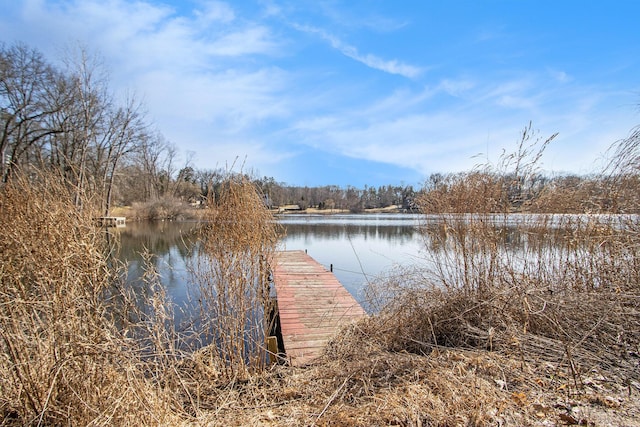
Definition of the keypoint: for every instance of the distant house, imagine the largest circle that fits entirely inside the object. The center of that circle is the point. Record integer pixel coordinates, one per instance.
(289, 208)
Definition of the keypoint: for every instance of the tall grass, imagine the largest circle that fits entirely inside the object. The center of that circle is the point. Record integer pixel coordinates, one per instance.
(79, 347)
(552, 297)
(62, 358)
(231, 271)
(561, 288)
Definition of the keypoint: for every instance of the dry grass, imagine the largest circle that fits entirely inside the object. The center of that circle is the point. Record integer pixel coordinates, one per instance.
(231, 275)
(161, 209)
(362, 382)
(553, 320)
(533, 323)
(557, 296)
(78, 347)
(563, 299)
(62, 359)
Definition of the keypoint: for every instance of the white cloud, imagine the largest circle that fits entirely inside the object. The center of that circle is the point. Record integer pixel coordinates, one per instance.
(235, 100)
(144, 34)
(456, 87)
(252, 40)
(208, 82)
(195, 73)
(393, 66)
(429, 132)
(215, 11)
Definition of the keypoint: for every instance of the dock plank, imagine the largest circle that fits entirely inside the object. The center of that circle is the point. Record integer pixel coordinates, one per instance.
(313, 305)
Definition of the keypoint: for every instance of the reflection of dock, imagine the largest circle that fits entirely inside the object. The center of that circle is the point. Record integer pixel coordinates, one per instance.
(312, 305)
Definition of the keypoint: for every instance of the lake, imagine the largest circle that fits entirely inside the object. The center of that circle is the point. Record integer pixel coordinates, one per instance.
(359, 247)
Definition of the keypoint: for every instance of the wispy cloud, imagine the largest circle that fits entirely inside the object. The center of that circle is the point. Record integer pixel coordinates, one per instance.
(195, 72)
(215, 11)
(357, 17)
(456, 87)
(392, 66)
(431, 131)
(248, 41)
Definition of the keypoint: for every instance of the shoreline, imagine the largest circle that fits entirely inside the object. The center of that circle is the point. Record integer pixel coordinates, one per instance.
(294, 210)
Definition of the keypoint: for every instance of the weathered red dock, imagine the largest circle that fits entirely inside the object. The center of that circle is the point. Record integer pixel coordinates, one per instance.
(312, 303)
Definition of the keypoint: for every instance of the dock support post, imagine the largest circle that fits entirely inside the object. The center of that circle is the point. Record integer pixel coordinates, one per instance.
(272, 348)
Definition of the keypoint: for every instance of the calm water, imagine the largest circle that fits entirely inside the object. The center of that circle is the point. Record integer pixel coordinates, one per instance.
(360, 247)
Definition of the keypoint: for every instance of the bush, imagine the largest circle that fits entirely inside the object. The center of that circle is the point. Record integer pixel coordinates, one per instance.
(231, 272)
(161, 209)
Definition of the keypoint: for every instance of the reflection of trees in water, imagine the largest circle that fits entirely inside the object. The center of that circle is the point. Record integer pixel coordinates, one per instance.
(436, 235)
(393, 233)
(513, 238)
(161, 238)
(158, 238)
(169, 244)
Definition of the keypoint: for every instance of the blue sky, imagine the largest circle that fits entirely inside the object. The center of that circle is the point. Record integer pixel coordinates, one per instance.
(359, 92)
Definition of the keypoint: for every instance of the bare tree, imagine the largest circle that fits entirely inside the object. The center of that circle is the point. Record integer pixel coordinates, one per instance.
(65, 121)
(28, 98)
(91, 106)
(124, 134)
(155, 160)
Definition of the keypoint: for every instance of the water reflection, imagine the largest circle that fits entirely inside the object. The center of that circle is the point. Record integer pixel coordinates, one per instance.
(170, 245)
(359, 247)
(393, 234)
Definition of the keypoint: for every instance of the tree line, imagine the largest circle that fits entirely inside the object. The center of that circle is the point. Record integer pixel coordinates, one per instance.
(65, 119)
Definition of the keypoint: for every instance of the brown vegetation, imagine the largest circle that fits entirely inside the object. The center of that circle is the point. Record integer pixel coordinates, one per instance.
(511, 320)
(79, 347)
(161, 209)
(555, 296)
(63, 360)
(237, 244)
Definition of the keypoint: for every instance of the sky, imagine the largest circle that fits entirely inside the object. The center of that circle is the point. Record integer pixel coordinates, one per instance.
(359, 92)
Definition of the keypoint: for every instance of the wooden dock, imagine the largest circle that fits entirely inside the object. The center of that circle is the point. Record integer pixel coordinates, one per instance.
(313, 305)
(111, 221)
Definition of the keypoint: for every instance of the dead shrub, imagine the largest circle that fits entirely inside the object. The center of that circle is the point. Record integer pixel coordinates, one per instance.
(78, 346)
(543, 305)
(161, 209)
(562, 288)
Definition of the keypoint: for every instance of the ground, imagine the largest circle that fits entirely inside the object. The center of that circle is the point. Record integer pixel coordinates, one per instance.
(365, 385)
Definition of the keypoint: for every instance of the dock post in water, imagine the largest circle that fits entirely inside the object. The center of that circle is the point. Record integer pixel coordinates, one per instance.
(313, 305)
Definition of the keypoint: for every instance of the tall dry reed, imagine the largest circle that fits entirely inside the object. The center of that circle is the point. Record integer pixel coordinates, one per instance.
(230, 271)
(81, 347)
(562, 288)
(63, 359)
